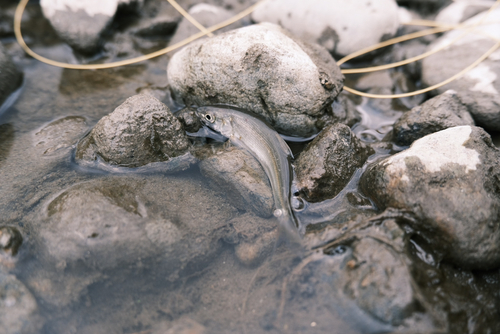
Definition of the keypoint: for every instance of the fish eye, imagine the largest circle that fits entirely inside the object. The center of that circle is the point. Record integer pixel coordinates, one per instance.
(210, 118)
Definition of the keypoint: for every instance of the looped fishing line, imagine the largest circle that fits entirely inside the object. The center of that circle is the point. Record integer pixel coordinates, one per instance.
(438, 27)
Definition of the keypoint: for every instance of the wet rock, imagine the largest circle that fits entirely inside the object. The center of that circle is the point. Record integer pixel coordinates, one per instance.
(207, 15)
(375, 80)
(80, 23)
(142, 130)
(6, 141)
(341, 27)
(112, 222)
(18, 307)
(189, 120)
(238, 174)
(460, 11)
(366, 263)
(10, 77)
(253, 237)
(344, 111)
(10, 239)
(60, 135)
(449, 181)
(439, 113)
(479, 88)
(289, 82)
(326, 165)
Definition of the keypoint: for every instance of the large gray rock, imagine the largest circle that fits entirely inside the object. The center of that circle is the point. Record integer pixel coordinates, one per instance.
(449, 181)
(80, 23)
(238, 174)
(18, 307)
(459, 11)
(479, 88)
(326, 165)
(439, 113)
(259, 68)
(10, 77)
(140, 131)
(342, 27)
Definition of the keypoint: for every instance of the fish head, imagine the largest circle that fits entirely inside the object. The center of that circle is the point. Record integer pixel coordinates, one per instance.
(217, 119)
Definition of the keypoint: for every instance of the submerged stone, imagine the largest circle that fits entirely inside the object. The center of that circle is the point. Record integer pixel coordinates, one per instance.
(342, 27)
(59, 135)
(239, 175)
(10, 77)
(450, 181)
(327, 164)
(262, 69)
(439, 113)
(18, 307)
(142, 130)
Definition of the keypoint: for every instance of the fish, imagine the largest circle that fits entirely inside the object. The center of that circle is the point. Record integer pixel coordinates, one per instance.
(264, 144)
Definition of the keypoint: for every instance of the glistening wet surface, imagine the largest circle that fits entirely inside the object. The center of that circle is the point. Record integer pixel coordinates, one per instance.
(154, 252)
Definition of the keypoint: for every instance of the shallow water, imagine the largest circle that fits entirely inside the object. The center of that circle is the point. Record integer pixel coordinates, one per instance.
(99, 254)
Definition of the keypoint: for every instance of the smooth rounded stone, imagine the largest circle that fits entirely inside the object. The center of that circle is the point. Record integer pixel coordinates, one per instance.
(10, 77)
(449, 181)
(80, 23)
(253, 238)
(239, 175)
(140, 131)
(439, 113)
(10, 239)
(112, 222)
(18, 307)
(459, 11)
(327, 164)
(365, 263)
(342, 27)
(59, 135)
(262, 69)
(207, 15)
(479, 88)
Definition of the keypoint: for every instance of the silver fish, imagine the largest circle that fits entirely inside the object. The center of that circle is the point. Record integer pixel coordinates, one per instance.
(266, 145)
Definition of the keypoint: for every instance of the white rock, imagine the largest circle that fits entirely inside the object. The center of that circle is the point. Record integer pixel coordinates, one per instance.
(91, 7)
(437, 150)
(341, 26)
(456, 12)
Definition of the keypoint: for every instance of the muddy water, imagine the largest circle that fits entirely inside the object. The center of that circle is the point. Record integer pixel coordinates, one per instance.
(145, 252)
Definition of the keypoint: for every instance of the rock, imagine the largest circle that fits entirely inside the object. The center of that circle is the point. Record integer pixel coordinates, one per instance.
(18, 307)
(189, 120)
(112, 222)
(479, 88)
(240, 175)
(10, 77)
(142, 130)
(341, 27)
(344, 111)
(10, 239)
(439, 113)
(262, 69)
(460, 11)
(365, 263)
(326, 165)
(6, 140)
(207, 15)
(449, 181)
(60, 135)
(80, 23)
(375, 80)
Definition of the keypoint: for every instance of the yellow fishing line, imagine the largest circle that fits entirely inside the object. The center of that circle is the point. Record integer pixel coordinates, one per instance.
(438, 27)
(17, 30)
(424, 55)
